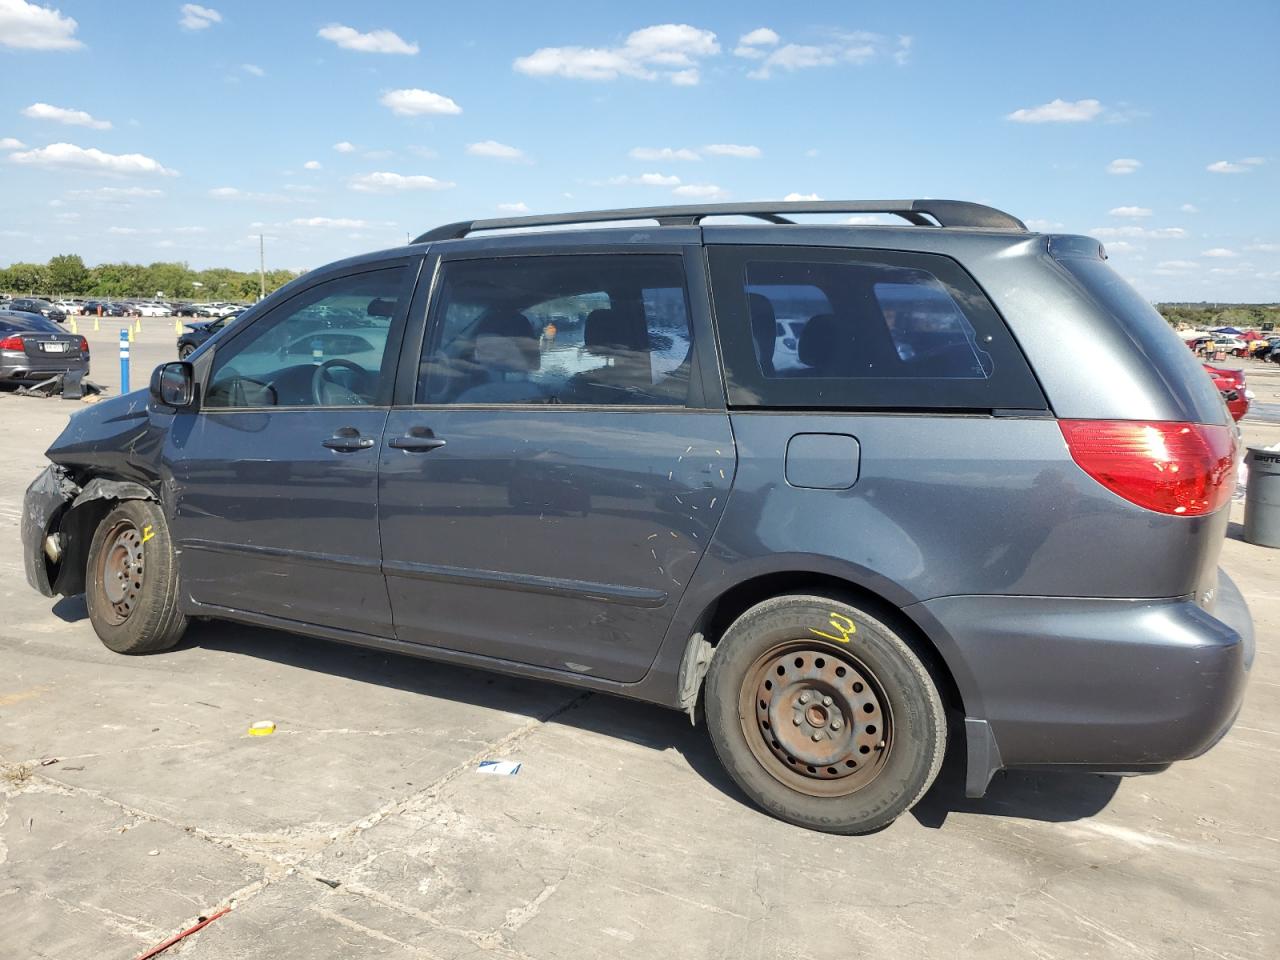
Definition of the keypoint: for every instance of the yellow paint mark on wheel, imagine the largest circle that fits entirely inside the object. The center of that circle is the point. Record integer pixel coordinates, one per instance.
(147, 533)
(841, 624)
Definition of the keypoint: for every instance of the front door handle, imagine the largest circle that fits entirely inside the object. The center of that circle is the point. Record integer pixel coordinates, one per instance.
(347, 440)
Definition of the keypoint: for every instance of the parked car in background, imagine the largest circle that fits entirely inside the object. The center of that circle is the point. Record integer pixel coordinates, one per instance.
(153, 308)
(104, 308)
(199, 331)
(68, 307)
(34, 348)
(939, 529)
(39, 307)
(1230, 384)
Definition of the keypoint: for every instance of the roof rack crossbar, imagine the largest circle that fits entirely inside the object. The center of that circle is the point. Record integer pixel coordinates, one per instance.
(944, 213)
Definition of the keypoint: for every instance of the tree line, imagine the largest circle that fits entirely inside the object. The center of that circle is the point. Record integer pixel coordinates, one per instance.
(67, 276)
(1240, 315)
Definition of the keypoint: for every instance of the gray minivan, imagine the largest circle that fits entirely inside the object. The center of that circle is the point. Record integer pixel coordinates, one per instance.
(978, 508)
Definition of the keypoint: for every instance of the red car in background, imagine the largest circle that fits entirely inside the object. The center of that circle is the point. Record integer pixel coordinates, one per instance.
(1231, 385)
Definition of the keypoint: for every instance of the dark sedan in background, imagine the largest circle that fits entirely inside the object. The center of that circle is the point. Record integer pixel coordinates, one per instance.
(200, 331)
(33, 348)
(34, 305)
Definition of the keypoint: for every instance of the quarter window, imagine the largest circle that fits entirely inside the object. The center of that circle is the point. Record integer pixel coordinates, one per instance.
(804, 327)
(588, 329)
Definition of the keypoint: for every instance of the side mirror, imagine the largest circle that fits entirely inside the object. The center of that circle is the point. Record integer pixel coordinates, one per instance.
(174, 384)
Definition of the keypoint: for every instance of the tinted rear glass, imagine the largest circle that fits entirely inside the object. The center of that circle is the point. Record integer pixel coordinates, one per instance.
(807, 327)
(28, 321)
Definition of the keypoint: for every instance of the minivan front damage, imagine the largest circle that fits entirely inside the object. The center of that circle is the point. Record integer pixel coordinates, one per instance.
(107, 453)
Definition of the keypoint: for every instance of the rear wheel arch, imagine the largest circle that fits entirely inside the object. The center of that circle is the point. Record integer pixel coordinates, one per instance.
(732, 603)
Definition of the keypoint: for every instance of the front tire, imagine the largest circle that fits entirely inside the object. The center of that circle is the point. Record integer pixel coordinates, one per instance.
(131, 581)
(823, 715)
(185, 351)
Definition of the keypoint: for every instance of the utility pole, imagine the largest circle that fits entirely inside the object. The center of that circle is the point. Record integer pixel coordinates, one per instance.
(262, 270)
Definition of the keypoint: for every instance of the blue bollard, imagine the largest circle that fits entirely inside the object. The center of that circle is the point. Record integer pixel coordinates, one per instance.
(124, 361)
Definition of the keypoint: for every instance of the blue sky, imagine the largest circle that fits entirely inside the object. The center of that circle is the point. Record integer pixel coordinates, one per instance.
(147, 131)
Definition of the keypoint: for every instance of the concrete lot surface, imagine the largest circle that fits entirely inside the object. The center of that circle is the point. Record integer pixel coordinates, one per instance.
(361, 828)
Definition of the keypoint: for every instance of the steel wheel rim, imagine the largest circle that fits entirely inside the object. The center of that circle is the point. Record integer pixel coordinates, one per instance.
(120, 571)
(816, 719)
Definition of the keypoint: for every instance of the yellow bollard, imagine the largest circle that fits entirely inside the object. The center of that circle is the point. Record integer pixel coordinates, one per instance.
(138, 325)
(95, 324)
(75, 328)
(177, 326)
(130, 329)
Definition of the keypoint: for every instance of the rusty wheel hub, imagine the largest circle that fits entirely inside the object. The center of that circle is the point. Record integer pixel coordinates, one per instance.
(121, 570)
(815, 719)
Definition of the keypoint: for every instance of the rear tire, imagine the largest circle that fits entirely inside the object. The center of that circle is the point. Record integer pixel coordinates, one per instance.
(131, 580)
(823, 715)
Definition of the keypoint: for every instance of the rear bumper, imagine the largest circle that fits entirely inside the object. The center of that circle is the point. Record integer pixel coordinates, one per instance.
(33, 370)
(1092, 684)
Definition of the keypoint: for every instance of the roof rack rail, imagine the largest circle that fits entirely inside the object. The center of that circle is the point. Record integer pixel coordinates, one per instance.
(945, 213)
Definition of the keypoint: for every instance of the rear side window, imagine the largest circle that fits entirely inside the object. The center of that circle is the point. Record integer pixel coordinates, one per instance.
(598, 329)
(806, 327)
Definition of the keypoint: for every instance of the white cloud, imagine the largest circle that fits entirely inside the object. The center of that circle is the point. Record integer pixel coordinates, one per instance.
(75, 118)
(413, 102)
(254, 69)
(1147, 233)
(856, 47)
(801, 196)
(702, 191)
(1123, 166)
(342, 146)
(11, 143)
(1130, 212)
(496, 150)
(1264, 247)
(1189, 208)
(196, 17)
(1040, 225)
(116, 194)
(225, 193)
(329, 222)
(670, 51)
(383, 182)
(375, 41)
(1058, 111)
(1177, 265)
(743, 151)
(311, 165)
(72, 157)
(27, 26)
(749, 44)
(663, 153)
(123, 231)
(646, 180)
(518, 207)
(1235, 166)
(1218, 253)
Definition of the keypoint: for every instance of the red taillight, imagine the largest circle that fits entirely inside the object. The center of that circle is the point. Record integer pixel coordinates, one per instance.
(11, 343)
(84, 345)
(1184, 469)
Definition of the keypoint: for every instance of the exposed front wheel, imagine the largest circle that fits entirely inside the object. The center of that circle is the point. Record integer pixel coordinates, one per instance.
(823, 715)
(185, 351)
(131, 582)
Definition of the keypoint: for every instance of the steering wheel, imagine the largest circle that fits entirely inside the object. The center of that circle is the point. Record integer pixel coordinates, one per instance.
(321, 385)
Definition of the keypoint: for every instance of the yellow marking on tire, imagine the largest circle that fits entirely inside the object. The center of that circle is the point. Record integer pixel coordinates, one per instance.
(841, 624)
(147, 533)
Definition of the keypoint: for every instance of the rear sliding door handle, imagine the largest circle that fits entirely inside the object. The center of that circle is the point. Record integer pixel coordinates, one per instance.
(416, 444)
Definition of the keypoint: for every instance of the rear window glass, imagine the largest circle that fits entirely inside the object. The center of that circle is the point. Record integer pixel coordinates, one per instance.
(804, 327)
(29, 321)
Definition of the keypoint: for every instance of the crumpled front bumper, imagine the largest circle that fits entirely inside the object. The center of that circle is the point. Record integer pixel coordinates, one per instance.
(48, 496)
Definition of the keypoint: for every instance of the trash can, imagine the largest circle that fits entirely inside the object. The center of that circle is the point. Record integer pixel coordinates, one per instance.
(1262, 498)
